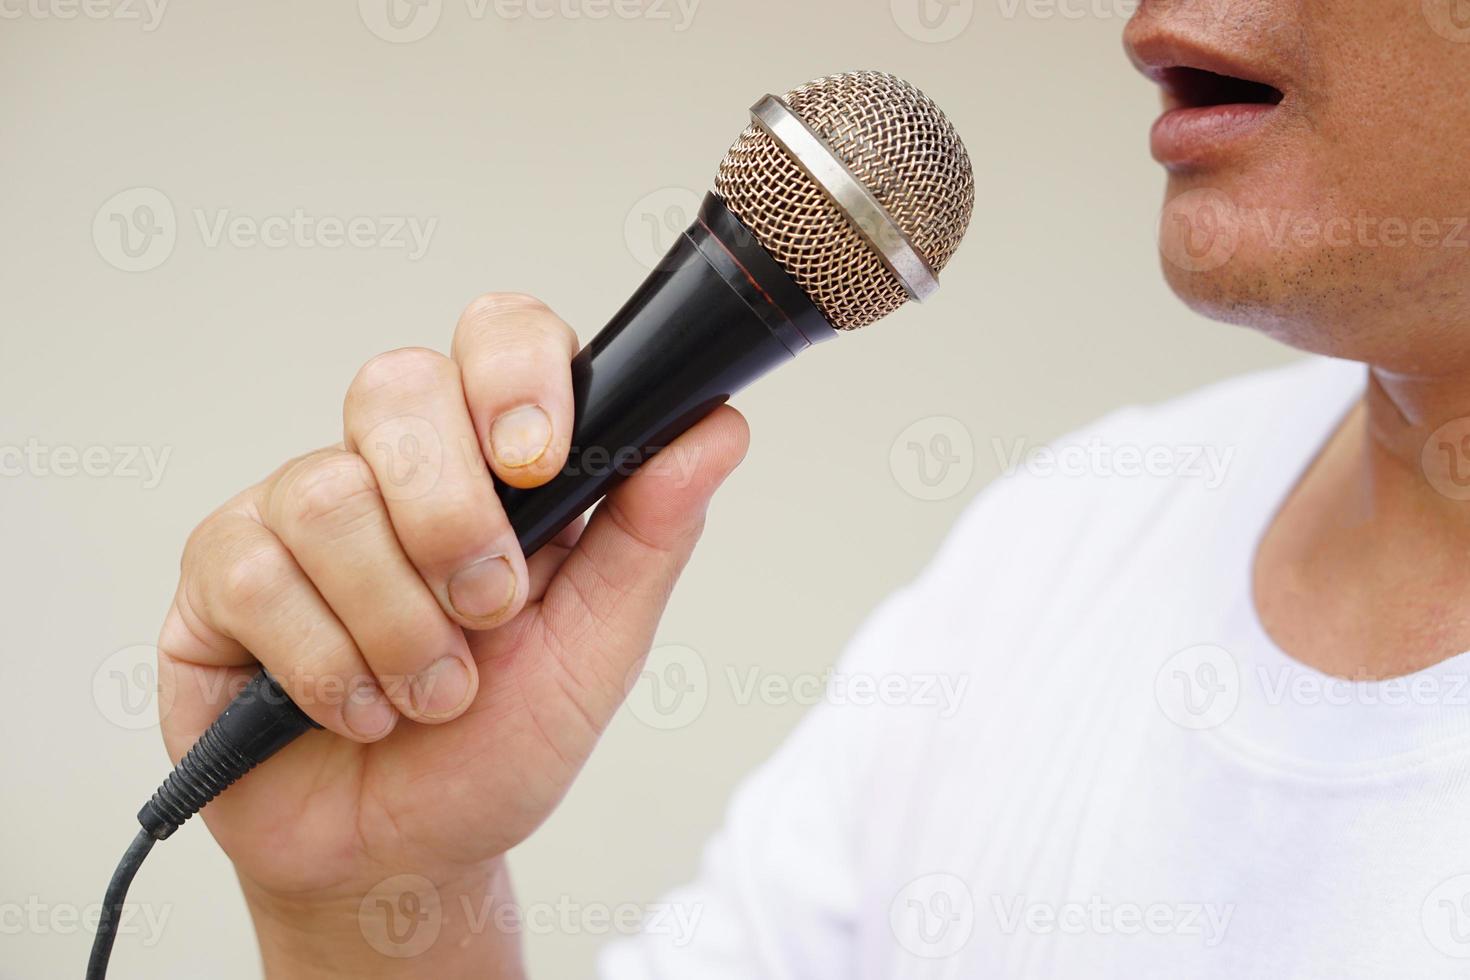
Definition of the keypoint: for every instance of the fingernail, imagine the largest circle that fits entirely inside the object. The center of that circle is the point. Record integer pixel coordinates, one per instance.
(483, 589)
(520, 437)
(367, 712)
(441, 688)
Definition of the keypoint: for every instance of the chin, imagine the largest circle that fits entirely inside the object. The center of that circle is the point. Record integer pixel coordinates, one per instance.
(1269, 297)
(1404, 309)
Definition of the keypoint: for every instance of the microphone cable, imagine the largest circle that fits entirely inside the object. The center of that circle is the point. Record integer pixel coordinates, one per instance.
(112, 903)
(259, 722)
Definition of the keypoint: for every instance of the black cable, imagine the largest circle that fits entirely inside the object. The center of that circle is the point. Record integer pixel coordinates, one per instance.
(112, 903)
(257, 724)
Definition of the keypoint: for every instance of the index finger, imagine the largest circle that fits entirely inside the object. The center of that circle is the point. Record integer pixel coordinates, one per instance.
(514, 357)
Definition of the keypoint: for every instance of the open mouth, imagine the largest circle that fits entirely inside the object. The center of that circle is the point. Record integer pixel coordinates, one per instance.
(1195, 88)
(1216, 98)
(1206, 113)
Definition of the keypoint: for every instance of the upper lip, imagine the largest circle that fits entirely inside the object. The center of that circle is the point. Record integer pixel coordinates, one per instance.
(1156, 51)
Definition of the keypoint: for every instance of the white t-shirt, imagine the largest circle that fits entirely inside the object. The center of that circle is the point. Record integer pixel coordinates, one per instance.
(1127, 779)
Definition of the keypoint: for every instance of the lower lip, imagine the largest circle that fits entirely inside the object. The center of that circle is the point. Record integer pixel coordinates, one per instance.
(1184, 137)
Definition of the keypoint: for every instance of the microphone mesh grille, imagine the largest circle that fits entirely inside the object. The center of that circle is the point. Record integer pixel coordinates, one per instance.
(899, 144)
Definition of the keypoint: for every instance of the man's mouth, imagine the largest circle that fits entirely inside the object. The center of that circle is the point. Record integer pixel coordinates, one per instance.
(1195, 88)
(1212, 98)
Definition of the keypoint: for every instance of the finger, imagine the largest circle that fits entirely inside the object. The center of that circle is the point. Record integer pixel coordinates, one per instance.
(405, 414)
(542, 569)
(515, 357)
(327, 511)
(242, 591)
(612, 589)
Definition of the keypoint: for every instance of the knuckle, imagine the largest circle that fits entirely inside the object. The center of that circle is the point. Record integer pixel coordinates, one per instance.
(333, 491)
(509, 372)
(406, 648)
(333, 659)
(514, 319)
(526, 350)
(252, 577)
(200, 542)
(404, 372)
(461, 521)
(467, 505)
(209, 539)
(488, 307)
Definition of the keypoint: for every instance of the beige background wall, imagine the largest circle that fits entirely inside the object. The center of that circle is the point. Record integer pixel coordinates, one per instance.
(552, 155)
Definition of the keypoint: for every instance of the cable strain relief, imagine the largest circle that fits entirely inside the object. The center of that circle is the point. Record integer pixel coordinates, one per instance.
(258, 723)
(208, 769)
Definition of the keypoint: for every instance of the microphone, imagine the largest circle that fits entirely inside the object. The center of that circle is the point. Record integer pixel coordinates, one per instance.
(840, 202)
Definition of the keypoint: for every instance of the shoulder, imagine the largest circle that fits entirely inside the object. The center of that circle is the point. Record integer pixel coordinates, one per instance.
(1136, 488)
(1207, 442)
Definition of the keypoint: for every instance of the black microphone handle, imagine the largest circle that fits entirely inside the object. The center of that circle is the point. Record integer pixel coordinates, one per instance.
(717, 313)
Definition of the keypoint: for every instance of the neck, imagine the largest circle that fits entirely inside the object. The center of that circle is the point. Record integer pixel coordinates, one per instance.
(1418, 453)
(1366, 570)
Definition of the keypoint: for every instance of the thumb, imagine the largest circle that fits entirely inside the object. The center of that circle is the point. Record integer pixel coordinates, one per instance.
(605, 602)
